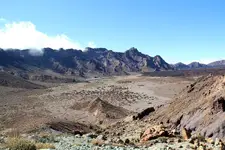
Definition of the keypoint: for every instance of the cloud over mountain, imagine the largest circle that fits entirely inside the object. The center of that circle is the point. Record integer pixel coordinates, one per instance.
(24, 35)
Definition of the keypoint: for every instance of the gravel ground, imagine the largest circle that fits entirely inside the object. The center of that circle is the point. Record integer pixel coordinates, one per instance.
(70, 142)
(84, 143)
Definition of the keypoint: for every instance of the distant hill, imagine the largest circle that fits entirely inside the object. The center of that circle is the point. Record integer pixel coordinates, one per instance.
(217, 63)
(193, 65)
(197, 65)
(181, 66)
(92, 61)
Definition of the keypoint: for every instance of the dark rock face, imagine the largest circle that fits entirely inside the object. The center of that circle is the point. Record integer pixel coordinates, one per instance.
(77, 62)
(144, 113)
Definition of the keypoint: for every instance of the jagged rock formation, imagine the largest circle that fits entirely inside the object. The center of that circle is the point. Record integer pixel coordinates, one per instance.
(81, 63)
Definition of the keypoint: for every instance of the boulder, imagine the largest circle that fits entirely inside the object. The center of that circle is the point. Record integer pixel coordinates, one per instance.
(154, 132)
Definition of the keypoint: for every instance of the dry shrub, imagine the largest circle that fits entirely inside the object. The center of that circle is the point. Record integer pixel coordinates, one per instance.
(44, 134)
(44, 146)
(13, 133)
(19, 144)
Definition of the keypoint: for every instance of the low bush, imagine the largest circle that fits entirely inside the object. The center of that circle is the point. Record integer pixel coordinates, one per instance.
(44, 146)
(20, 144)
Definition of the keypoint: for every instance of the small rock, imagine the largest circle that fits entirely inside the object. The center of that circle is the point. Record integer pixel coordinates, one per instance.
(77, 136)
(177, 140)
(188, 147)
(174, 132)
(90, 135)
(192, 140)
(201, 148)
(2, 140)
(196, 143)
(101, 137)
(127, 141)
(186, 134)
(210, 140)
(170, 141)
(119, 141)
(217, 141)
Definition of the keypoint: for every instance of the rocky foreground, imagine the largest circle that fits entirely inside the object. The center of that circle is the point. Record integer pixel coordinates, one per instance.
(156, 137)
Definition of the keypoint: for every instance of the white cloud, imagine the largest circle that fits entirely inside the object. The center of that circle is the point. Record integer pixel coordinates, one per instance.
(2, 19)
(92, 44)
(23, 35)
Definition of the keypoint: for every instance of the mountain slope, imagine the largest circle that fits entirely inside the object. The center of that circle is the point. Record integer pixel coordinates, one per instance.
(82, 63)
(200, 107)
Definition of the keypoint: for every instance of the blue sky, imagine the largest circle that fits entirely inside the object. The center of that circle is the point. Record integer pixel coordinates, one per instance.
(178, 30)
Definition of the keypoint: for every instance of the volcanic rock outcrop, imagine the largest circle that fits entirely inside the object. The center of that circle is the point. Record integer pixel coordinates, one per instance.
(200, 107)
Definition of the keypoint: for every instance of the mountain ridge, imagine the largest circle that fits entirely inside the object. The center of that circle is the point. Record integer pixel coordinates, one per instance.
(91, 61)
(196, 65)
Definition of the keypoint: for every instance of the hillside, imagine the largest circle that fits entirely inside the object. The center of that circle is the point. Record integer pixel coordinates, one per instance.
(16, 82)
(200, 107)
(92, 61)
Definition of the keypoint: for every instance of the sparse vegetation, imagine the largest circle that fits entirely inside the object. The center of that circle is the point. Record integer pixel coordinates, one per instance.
(20, 144)
(44, 146)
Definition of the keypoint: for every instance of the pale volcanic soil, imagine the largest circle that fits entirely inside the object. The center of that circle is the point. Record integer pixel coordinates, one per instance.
(27, 109)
